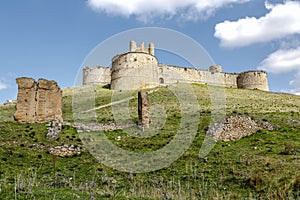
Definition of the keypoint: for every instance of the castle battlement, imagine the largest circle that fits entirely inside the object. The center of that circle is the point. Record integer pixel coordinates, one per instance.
(141, 48)
(139, 68)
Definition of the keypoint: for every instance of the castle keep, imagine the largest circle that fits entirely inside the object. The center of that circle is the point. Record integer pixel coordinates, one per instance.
(139, 68)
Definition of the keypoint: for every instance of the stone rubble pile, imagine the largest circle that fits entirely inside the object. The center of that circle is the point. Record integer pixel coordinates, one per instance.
(110, 126)
(54, 129)
(65, 150)
(236, 127)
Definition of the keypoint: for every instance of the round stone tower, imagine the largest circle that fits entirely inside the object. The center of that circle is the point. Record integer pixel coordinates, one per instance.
(253, 80)
(135, 69)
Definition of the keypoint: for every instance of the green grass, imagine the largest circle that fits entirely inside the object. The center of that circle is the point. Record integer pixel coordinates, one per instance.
(264, 165)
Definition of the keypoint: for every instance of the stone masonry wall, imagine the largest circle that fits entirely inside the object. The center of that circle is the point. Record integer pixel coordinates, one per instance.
(172, 74)
(26, 104)
(38, 102)
(139, 68)
(96, 75)
(168, 74)
(253, 80)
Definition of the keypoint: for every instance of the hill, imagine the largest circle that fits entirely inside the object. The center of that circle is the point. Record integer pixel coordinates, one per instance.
(264, 165)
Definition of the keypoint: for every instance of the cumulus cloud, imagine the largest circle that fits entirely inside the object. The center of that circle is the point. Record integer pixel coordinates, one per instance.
(281, 61)
(144, 10)
(284, 61)
(281, 21)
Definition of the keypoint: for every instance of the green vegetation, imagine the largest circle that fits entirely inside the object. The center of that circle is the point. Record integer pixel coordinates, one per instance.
(262, 166)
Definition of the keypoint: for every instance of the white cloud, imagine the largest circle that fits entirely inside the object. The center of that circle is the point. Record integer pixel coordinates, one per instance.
(295, 83)
(281, 21)
(281, 61)
(284, 61)
(145, 10)
(3, 86)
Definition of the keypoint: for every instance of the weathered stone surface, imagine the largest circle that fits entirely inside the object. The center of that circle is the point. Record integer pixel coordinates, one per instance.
(143, 109)
(49, 104)
(236, 127)
(26, 83)
(26, 100)
(65, 150)
(38, 102)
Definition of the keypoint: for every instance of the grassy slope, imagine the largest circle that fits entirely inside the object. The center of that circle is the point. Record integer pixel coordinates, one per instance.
(263, 165)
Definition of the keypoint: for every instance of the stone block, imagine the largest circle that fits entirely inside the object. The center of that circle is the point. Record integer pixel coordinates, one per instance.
(143, 109)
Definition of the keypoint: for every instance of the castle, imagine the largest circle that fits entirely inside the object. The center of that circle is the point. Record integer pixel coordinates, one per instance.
(139, 68)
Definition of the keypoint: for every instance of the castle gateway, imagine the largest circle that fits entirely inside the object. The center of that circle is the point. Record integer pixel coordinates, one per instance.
(139, 68)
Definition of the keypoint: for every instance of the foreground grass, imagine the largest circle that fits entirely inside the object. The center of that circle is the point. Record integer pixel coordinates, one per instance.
(262, 166)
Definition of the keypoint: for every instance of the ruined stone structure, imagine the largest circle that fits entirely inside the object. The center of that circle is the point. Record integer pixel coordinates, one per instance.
(143, 109)
(139, 68)
(38, 101)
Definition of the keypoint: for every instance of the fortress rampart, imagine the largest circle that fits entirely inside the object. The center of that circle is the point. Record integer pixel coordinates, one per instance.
(96, 75)
(139, 68)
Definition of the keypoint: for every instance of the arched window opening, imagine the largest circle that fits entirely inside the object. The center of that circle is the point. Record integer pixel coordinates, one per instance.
(161, 81)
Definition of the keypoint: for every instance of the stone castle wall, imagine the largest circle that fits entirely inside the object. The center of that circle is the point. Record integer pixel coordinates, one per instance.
(139, 68)
(173, 74)
(96, 75)
(38, 101)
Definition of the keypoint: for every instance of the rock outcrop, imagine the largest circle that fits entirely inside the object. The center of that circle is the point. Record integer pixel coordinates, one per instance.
(38, 102)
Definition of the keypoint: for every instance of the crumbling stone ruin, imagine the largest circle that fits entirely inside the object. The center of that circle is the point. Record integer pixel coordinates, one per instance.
(235, 128)
(143, 109)
(139, 68)
(38, 101)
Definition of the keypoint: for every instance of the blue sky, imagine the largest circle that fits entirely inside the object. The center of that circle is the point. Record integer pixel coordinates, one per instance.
(51, 39)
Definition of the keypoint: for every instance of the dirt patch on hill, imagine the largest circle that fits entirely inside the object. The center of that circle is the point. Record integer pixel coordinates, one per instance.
(236, 127)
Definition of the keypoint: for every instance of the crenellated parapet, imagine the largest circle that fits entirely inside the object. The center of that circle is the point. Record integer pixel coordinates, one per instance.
(135, 48)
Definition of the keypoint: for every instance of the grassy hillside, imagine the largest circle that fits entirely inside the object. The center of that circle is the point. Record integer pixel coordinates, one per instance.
(262, 166)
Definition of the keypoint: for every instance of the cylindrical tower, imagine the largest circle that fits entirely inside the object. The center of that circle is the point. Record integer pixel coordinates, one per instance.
(253, 80)
(134, 70)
